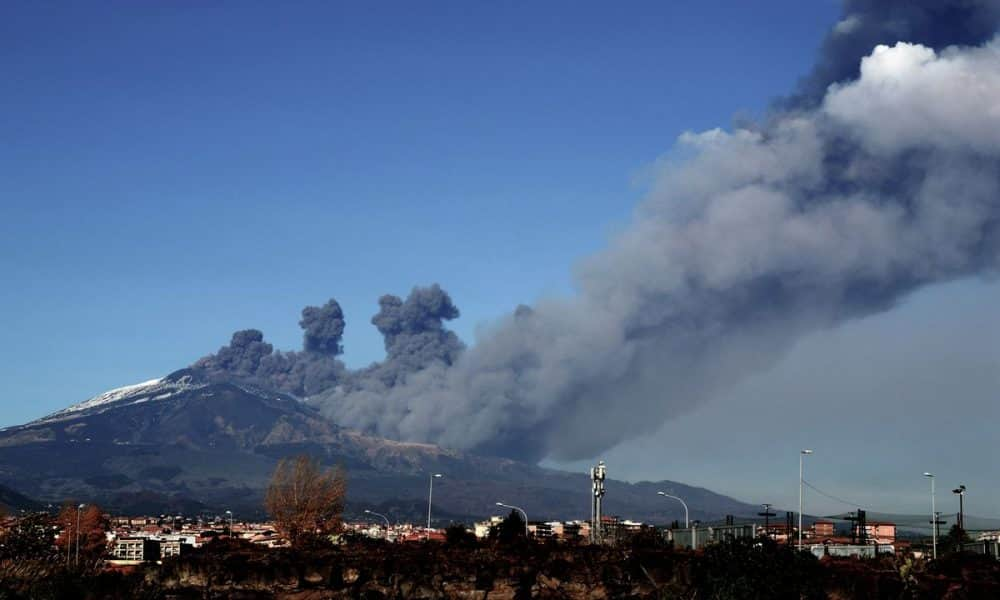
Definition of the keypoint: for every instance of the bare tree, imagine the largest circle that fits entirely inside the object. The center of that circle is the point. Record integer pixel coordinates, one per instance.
(304, 499)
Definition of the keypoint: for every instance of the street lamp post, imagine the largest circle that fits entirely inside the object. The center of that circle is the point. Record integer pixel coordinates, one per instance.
(385, 518)
(933, 515)
(78, 509)
(687, 520)
(960, 492)
(69, 542)
(523, 514)
(430, 498)
(230, 514)
(802, 454)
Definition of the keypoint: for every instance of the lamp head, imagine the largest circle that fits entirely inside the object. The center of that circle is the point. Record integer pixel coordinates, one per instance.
(437, 476)
(662, 493)
(928, 474)
(501, 504)
(806, 451)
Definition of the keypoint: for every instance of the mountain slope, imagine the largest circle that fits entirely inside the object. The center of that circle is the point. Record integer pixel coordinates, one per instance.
(12, 501)
(187, 442)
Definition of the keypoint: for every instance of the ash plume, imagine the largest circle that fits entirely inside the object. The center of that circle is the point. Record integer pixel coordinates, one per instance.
(314, 369)
(414, 330)
(880, 176)
(415, 339)
(324, 328)
(865, 24)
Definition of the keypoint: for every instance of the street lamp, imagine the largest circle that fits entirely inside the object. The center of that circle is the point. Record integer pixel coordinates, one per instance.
(687, 521)
(802, 454)
(372, 512)
(523, 514)
(78, 509)
(960, 492)
(430, 497)
(230, 513)
(933, 515)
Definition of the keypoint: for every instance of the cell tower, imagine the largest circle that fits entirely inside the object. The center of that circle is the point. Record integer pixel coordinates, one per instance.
(597, 475)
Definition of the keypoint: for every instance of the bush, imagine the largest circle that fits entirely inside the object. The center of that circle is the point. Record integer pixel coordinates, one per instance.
(748, 569)
(458, 535)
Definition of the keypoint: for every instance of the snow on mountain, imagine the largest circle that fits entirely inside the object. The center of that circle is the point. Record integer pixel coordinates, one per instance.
(152, 390)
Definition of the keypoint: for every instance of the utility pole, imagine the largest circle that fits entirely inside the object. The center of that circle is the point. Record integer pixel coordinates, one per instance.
(767, 514)
(936, 523)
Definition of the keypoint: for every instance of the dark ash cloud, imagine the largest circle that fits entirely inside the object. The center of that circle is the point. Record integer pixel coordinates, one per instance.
(324, 328)
(415, 338)
(250, 358)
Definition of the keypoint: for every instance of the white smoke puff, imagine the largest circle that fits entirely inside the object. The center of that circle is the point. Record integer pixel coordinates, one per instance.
(908, 95)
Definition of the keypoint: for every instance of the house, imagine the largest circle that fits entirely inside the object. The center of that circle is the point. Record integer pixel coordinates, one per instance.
(540, 530)
(823, 529)
(136, 549)
(880, 532)
(173, 547)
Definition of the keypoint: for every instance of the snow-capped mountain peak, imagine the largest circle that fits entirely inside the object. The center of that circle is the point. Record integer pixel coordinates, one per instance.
(154, 389)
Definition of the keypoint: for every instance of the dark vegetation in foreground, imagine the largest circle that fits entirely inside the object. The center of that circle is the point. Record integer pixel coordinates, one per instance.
(465, 568)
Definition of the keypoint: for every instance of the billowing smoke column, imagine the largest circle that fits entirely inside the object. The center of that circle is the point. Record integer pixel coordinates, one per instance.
(324, 328)
(415, 338)
(881, 175)
(314, 369)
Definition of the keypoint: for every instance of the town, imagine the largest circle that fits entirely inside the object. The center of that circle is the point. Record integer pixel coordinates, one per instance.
(133, 540)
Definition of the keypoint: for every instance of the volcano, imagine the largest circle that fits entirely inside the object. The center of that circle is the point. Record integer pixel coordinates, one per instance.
(192, 442)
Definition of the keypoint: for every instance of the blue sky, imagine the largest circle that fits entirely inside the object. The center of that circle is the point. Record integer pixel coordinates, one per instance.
(170, 173)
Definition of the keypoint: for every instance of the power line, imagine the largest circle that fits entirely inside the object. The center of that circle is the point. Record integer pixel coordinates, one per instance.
(835, 498)
(869, 509)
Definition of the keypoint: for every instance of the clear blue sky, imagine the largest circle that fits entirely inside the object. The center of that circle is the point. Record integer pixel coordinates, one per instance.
(172, 172)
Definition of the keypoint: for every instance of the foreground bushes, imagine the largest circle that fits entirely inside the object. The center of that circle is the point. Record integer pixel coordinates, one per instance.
(463, 568)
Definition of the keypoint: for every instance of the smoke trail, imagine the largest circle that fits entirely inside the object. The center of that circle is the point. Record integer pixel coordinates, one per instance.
(836, 208)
